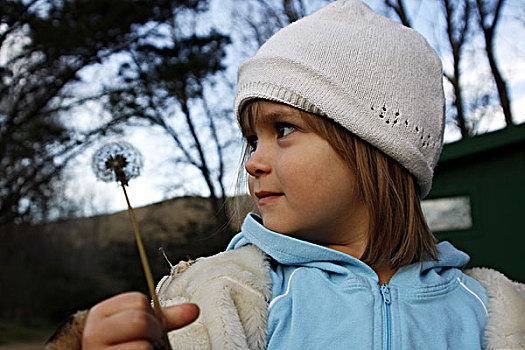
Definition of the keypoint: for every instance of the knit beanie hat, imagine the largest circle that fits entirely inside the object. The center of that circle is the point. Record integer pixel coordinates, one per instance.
(375, 77)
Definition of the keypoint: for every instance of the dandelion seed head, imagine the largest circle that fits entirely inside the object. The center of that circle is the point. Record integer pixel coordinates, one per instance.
(117, 161)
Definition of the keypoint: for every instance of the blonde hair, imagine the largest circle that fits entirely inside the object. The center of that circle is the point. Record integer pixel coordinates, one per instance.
(398, 232)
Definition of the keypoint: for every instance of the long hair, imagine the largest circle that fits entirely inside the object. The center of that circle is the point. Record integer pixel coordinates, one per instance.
(398, 232)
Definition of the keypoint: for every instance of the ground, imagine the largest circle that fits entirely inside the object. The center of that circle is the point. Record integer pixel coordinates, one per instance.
(34, 345)
(15, 336)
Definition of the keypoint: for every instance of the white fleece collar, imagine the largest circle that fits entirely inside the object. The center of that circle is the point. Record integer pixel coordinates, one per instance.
(506, 309)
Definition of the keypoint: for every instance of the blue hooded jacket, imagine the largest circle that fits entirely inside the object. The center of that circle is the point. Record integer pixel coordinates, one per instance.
(325, 299)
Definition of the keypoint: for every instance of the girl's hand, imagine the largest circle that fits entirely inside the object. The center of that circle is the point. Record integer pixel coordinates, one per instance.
(127, 321)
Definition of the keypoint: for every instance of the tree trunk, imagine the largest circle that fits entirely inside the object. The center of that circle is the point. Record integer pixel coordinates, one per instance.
(458, 103)
(501, 85)
(488, 34)
(218, 203)
(456, 32)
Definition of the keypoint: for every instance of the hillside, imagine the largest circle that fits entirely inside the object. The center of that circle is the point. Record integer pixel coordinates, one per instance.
(48, 271)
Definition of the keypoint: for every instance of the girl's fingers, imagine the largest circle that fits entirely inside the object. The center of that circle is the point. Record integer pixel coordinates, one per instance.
(124, 318)
(121, 302)
(132, 325)
(134, 345)
(178, 316)
(127, 321)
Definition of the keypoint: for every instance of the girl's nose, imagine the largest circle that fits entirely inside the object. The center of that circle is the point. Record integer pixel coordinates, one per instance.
(258, 163)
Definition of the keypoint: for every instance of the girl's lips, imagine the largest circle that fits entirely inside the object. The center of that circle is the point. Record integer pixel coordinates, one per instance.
(265, 197)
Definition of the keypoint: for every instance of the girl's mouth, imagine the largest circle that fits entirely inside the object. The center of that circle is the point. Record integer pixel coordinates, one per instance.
(265, 196)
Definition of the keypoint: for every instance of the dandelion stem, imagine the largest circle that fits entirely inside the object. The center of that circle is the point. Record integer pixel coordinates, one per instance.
(145, 266)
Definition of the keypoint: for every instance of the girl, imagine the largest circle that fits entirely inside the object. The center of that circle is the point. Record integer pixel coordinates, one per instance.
(343, 114)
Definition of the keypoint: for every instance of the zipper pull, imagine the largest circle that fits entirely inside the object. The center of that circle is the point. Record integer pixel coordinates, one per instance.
(385, 292)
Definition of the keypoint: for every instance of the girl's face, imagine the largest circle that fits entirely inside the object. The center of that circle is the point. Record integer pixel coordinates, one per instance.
(300, 185)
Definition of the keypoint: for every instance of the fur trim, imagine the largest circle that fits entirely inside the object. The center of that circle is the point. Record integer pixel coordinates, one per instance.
(69, 334)
(506, 305)
(232, 289)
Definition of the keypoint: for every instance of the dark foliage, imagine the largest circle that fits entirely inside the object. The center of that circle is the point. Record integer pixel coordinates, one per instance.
(47, 43)
(159, 85)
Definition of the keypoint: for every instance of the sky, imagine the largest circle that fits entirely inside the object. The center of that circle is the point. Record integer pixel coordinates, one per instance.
(157, 181)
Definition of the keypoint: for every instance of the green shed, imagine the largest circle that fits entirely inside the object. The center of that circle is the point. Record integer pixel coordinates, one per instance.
(478, 199)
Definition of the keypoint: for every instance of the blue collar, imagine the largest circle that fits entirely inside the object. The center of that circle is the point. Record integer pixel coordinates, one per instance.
(287, 250)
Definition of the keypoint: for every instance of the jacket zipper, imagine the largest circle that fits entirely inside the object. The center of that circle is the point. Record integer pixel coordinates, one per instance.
(385, 293)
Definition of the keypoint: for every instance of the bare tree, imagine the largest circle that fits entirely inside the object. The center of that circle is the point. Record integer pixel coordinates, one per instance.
(489, 15)
(293, 10)
(457, 17)
(165, 83)
(259, 19)
(399, 8)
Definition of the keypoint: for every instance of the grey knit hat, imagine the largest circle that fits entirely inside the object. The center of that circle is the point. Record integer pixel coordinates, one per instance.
(375, 77)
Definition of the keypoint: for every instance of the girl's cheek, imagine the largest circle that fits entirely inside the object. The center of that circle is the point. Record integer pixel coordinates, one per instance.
(250, 186)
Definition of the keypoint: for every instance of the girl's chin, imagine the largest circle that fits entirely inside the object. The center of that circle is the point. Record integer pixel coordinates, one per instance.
(274, 225)
(286, 231)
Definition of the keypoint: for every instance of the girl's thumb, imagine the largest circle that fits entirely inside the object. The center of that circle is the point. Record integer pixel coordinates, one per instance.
(178, 316)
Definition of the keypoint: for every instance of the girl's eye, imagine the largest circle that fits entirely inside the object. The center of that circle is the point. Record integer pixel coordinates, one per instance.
(284, 129)
(252, 143)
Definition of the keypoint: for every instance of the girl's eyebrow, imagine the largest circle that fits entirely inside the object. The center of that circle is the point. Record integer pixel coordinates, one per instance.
(281, 116)
(271, 118)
